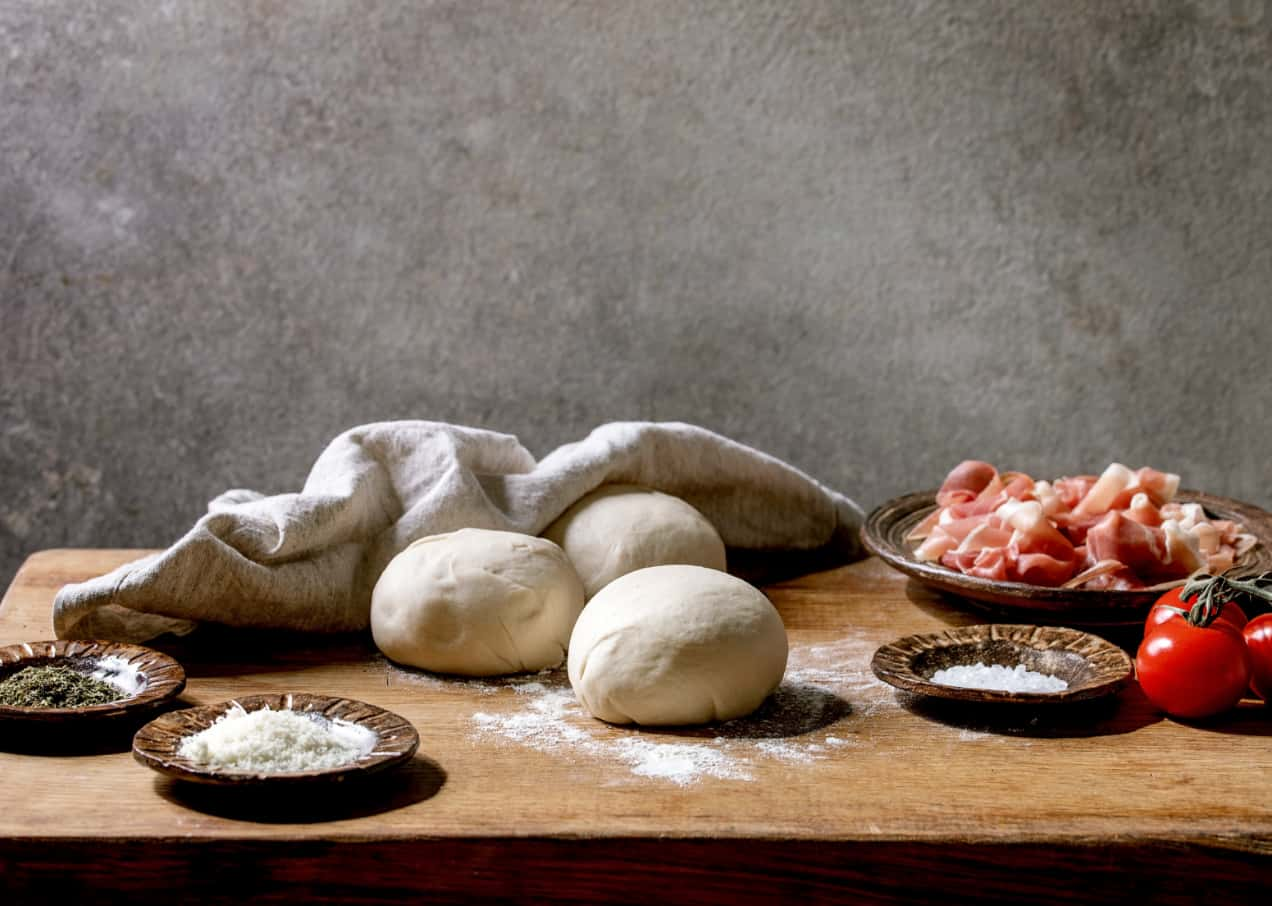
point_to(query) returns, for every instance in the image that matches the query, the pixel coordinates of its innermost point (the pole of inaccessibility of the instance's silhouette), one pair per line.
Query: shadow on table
(1249, 718)
(956, 611)
(952, 611)
(795, 709)
(80, 737)
(1125, 712)
(418, 780)
(213, 650)
(772, 567)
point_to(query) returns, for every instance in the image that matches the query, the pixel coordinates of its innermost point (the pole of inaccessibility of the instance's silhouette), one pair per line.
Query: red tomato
(1161, 612)
(1258, 638)
(1193, 671)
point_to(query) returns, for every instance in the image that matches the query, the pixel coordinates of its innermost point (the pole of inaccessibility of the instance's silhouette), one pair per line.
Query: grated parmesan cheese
(999, 678)
(276, 742)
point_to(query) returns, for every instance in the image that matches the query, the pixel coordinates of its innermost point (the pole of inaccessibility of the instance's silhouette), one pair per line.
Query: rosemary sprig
(1212, 592)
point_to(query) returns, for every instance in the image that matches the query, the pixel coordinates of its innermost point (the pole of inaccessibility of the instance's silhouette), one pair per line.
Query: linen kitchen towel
(309, 561)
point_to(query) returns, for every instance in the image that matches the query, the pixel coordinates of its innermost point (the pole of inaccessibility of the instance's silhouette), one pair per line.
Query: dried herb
(56, 687)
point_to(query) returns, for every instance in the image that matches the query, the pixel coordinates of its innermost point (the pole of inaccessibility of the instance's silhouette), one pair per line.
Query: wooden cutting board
(839, 786)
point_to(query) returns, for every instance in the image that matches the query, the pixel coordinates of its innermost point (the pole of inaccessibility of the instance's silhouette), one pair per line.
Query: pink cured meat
(1072, 490)
(965, 482)
(1042, 556)
(990, 563)
(1142, 548)
(1140, 508)
(1009, 527)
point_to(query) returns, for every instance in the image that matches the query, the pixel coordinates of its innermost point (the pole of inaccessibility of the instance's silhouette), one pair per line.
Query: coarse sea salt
(276, 742)
(998, 678)
(119, 673)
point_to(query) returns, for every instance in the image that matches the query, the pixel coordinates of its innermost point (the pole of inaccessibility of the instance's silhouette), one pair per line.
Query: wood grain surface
(841, 787)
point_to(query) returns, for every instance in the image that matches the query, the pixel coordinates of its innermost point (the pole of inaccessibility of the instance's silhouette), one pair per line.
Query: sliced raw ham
(1156, 487)
(1096, 571)
(1038, 553)
(1141, 509)
(989, 533)
(1160, 486)
(990, 563)
(1123, 580)
(965, 482)
(1072, 490)
(1018, 486)
(1155, 554)
(1039, 568)
(950, 534)
(1183, 554)
(1119, 530)
(924, 527)
(1050, 499)
(1114, 480)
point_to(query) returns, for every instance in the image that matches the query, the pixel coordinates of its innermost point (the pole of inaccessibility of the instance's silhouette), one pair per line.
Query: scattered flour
(783, 750)
(552, 720)
(679, 763)
(823, 685)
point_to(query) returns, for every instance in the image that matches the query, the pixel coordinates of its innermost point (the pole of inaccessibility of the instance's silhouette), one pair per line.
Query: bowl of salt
(1005, 663)
(72, 681)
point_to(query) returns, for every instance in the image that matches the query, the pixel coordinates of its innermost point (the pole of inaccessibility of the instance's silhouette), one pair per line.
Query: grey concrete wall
(871, 238)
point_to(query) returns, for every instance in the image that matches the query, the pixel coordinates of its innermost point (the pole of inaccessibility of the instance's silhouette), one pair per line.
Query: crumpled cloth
(309, 561)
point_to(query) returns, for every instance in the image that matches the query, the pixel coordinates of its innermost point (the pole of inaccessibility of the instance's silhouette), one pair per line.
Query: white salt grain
(276, 742)
(998, 678)
(119, 673)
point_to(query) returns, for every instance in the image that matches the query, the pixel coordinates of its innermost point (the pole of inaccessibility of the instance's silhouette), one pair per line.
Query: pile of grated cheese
(276, 742)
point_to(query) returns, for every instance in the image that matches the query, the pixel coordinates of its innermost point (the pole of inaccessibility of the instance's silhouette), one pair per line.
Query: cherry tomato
(1258, 638)
(1193, 671)
(1161, 611)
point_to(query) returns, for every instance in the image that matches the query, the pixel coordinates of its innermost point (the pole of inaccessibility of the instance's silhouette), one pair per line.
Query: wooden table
(841, 788)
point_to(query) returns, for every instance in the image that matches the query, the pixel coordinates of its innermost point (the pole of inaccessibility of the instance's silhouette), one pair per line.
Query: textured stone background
(871, 238)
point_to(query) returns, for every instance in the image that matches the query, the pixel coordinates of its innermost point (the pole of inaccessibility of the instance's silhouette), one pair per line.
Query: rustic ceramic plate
(1091, 666)
(885, 530)
(152, 676)
(157, 744)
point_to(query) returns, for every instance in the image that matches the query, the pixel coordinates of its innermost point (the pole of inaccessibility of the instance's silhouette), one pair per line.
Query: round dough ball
(620, 528)
(676, 645)
(477, 602)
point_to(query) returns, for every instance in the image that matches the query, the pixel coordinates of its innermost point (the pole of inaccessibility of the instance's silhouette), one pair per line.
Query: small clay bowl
(157, 744)
(1092, 667)
(886, 529)
(159, 677)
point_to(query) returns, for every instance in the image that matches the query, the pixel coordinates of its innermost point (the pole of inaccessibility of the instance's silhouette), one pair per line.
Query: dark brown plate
(162, 677)
(1091, 666)
(886, 527)
(156, 744)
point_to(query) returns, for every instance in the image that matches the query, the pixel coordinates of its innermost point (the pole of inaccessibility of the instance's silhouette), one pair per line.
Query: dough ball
(676, 645)
(477, 602)
(620, 528)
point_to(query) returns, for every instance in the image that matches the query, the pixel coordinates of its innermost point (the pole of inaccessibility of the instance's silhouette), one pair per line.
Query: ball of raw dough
(477, 602)
(620, 528)
(676, 645)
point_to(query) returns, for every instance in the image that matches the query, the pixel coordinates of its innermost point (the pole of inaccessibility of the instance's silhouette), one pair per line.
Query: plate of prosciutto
(1091, 549)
